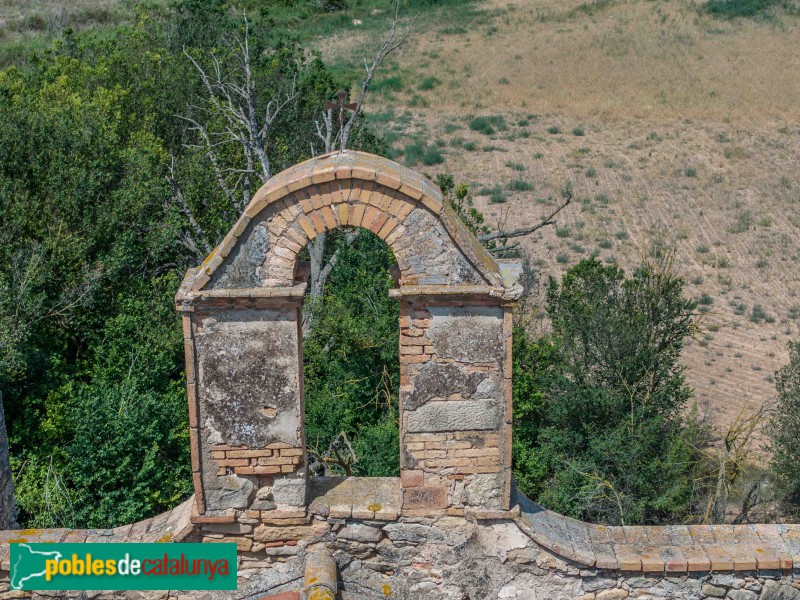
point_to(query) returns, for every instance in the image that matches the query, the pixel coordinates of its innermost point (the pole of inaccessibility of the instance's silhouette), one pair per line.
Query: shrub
(562, 232)
(488, 125)
(429, 83)
(520, 185)
(554, 130)
(591, 172)
(432, 157)
(744, 221)
(562, 258)
(732, 9)
(690, 172)
(389, 84)
(739, 308)
(759, 315)
(496, 195)
(705, 300)
(482, 125)
(415, 151)
(515, 166)
(578, 131)
(784, 427)
(605, 244)
(621, 235)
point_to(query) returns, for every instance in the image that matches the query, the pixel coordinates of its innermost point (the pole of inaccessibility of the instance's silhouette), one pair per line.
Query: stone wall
(460, 557)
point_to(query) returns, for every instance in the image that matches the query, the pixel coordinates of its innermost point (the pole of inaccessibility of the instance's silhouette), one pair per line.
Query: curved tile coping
(171, 526)
(662, 549)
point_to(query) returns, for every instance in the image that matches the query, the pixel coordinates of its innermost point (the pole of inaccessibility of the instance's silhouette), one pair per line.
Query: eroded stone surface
(247, 376)
(469, 335)
(454, 415)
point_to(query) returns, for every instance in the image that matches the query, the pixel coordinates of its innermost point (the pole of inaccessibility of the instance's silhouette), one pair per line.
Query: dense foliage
(599, 404)
(352, 361)
(97, 177)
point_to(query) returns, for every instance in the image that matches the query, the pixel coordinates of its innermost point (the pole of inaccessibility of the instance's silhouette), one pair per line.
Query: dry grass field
(673, 126)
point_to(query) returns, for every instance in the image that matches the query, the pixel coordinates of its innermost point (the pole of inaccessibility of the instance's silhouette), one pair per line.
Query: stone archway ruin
(242, 314)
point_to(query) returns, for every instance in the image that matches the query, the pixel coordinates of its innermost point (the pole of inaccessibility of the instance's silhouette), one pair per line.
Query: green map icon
(29, 564)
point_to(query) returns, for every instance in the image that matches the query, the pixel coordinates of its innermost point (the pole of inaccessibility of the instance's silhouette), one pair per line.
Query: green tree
(105, 200)
(600, 432)
(351, 358)
(784, 427)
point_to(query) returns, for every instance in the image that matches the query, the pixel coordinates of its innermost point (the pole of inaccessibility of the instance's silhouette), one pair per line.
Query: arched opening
(351, 360)
(258, 402)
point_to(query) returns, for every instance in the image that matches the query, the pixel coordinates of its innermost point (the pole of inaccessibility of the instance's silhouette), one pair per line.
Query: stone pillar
(245, 382)
(455, 405)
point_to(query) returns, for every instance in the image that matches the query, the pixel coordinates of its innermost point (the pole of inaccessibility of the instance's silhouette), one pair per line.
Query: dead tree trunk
(8, 508)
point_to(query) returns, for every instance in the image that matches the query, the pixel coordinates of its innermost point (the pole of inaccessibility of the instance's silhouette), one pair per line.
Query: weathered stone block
(412, 532)
(436, 381)
(274, 533)
(484, 491)
(360, 533)
(289, 491)
(232, 491)
(471, 334)
(454, 415)
(411, 477)
(248, 377)
(424, 497)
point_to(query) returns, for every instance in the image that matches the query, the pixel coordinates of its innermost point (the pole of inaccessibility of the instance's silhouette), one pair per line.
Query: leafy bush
(759, 315)
(488, 125)
(386, 85)
(705, 300)
(482, 125)
(415, 152)
(591, 440)
(429, 83)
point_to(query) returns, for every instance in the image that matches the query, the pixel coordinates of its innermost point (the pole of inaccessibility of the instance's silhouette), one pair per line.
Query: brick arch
(401, 207)
(242, 315)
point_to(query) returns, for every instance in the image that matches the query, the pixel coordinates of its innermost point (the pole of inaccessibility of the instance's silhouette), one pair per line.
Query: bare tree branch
(233, 96)
(548, 220)
(391, 42)
(197, 244)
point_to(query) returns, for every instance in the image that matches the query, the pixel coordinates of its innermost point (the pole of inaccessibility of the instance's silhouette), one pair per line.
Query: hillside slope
(673, 126)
